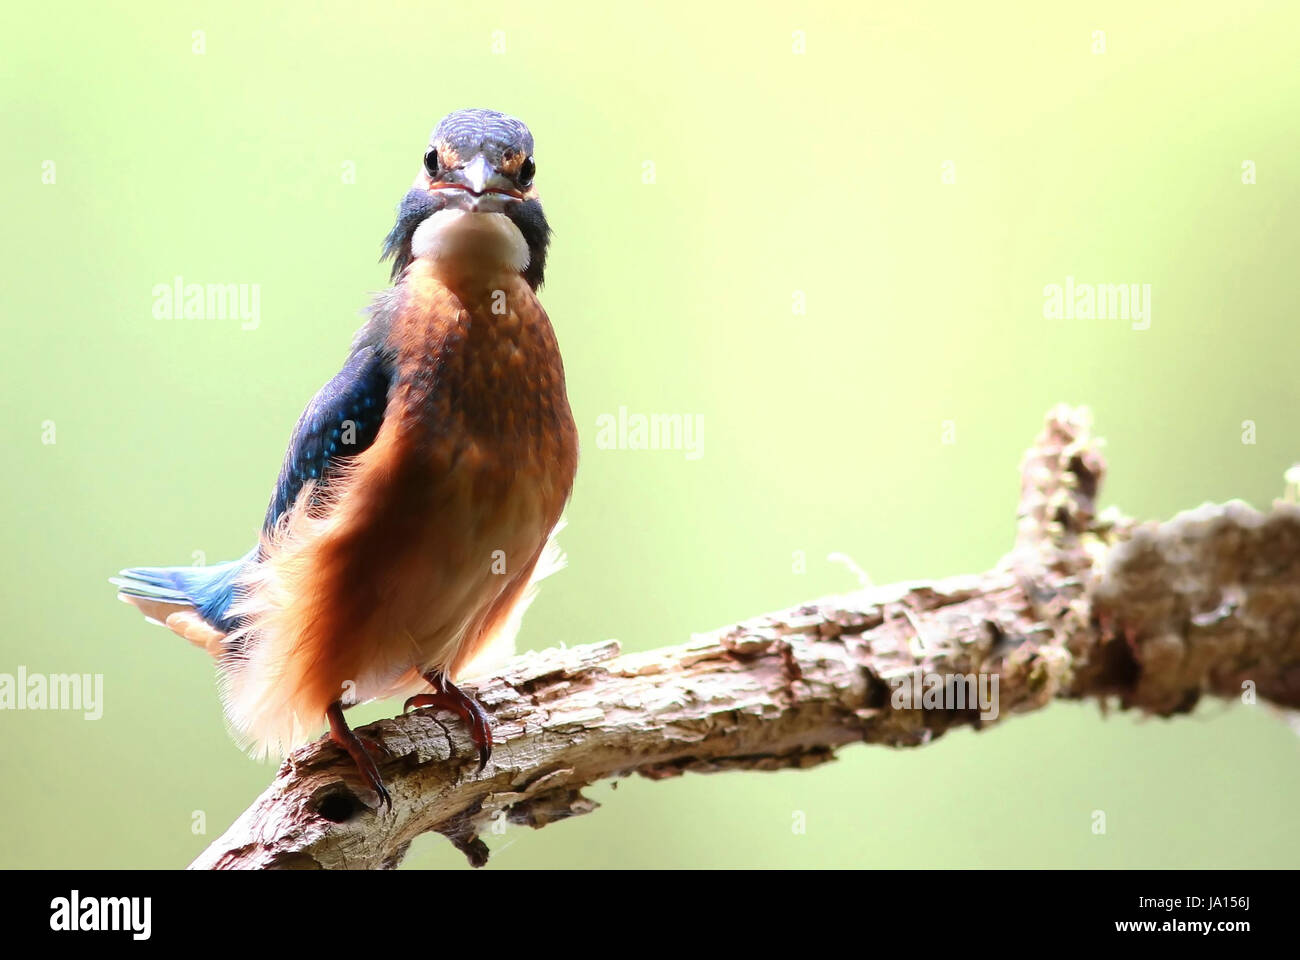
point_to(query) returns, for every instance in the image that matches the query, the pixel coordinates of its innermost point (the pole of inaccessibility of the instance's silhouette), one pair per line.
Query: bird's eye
(431, 163)
(527, 170)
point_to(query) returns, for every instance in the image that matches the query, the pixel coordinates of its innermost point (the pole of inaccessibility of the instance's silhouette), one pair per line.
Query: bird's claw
(354, 746)
(448, 696)
(370, 771)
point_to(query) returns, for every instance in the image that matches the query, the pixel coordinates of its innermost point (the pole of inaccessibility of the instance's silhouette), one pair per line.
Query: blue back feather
(342, 420)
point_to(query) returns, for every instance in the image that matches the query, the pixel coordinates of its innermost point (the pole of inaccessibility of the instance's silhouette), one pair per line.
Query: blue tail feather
(210, 590)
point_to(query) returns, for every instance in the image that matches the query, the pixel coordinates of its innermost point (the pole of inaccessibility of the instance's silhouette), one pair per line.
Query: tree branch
(1153, 616)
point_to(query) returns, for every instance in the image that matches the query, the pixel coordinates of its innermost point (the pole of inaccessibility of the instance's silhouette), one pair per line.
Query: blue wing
(342, 420)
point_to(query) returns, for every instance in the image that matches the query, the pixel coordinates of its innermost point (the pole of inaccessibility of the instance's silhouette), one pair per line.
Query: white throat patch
(488, 238)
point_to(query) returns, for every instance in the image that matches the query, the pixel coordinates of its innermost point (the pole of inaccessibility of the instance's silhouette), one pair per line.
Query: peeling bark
(1151, 616)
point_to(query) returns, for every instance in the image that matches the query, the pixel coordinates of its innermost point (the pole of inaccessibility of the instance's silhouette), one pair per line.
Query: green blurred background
(775, 172)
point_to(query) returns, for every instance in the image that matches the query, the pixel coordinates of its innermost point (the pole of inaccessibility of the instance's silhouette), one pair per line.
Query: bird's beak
(477, 186)
(477, 173)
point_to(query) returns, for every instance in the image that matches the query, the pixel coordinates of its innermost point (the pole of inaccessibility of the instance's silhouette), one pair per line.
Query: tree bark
(1147, 616)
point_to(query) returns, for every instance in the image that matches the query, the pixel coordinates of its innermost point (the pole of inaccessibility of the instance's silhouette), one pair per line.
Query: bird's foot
(355, 746)
(447, 696)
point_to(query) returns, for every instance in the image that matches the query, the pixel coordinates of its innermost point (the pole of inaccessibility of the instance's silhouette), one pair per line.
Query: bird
(418, 501)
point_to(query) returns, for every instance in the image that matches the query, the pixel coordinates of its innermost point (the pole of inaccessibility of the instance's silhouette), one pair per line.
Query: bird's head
(474, 197)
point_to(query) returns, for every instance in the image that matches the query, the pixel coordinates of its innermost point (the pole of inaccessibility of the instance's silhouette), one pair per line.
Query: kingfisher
(417, 504)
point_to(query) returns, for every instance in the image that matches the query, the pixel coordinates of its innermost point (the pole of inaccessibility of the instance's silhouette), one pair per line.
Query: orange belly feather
(423, 552)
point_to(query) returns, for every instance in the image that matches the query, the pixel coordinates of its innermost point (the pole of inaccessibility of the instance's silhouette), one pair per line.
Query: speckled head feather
(505, 141)
(490, 155)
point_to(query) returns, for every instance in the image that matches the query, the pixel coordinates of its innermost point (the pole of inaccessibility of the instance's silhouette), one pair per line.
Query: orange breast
(481, 460)
(421, 552)
(479, 367)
